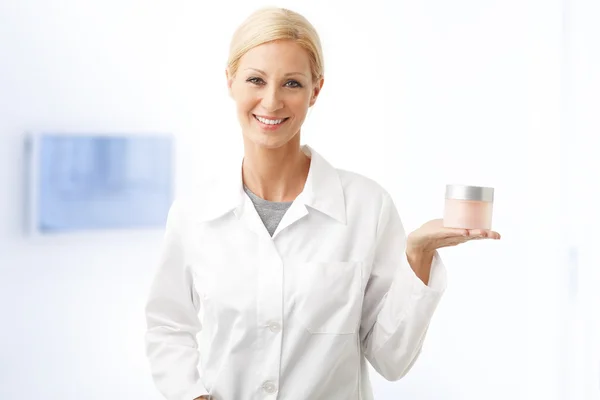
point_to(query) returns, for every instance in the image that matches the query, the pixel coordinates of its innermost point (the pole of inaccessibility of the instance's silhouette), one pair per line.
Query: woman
(283, 279)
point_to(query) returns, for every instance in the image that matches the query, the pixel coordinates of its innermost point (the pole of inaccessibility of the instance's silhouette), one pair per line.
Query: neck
(275, 174)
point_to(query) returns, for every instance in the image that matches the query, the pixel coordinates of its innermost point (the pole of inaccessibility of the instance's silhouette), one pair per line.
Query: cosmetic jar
(468, 207)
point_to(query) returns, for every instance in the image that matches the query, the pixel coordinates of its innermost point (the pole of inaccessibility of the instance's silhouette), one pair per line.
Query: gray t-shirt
(270, 212)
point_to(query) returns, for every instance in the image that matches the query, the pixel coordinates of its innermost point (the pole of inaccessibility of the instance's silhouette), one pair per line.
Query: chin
(268, 141)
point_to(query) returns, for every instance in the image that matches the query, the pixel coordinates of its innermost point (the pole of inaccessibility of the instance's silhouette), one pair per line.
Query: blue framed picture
(90, 182)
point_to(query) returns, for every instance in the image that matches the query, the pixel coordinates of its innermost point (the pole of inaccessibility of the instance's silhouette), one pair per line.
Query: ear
(316, 90)
(229, 82)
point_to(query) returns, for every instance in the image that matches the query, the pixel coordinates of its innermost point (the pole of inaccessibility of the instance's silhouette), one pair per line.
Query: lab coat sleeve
(397, 306)
(172, 319)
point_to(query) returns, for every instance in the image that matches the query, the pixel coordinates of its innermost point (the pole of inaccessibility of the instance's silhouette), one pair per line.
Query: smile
(270, 121)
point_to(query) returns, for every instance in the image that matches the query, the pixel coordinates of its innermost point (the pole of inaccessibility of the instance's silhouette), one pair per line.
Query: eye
(255, 80)
(293, 84)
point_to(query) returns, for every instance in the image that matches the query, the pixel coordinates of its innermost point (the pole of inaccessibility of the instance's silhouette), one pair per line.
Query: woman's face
(273, 90)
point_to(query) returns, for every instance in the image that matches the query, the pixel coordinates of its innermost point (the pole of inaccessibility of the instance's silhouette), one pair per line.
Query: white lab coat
(241, 315)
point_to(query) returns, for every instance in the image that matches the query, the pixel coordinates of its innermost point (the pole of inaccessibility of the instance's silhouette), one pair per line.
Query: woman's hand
(433, 235)
(423, 242)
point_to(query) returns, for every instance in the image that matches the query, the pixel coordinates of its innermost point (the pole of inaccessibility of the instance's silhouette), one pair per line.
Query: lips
(270, 121)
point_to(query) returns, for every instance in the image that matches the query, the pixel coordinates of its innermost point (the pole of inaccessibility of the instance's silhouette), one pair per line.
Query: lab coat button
(269, 387)
(274, 327)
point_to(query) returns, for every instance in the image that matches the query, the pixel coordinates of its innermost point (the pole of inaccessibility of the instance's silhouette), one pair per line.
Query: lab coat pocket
(329, 297)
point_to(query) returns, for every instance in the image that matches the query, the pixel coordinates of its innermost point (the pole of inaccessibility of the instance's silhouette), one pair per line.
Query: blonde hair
(273, 23)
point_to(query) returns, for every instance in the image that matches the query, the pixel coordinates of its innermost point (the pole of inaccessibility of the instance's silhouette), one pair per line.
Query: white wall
(437, 92)
(581, 124)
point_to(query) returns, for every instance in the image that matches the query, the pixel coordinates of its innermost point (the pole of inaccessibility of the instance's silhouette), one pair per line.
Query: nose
(272, 100)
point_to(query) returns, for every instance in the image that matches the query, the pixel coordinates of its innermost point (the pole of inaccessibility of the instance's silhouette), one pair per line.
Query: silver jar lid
(475, 193)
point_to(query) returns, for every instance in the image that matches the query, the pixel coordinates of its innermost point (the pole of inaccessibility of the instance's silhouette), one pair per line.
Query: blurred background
(417, 95)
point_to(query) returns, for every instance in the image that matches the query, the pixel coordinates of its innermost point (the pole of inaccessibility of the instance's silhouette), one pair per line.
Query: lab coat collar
(322, 191)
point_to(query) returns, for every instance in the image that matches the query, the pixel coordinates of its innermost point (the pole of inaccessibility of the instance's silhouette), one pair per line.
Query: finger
(487, 234)
(452, 232)
(494, 235)
(473, 234)
(478, 233)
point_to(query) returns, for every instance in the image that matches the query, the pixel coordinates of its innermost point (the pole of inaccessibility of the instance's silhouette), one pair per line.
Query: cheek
(299, 105)
(245, 101)
(243, 106)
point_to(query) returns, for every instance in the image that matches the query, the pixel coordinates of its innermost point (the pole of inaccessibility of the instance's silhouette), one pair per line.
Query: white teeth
(269, 121)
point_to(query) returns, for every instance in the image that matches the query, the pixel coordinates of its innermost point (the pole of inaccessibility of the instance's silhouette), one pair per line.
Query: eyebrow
(288, 74)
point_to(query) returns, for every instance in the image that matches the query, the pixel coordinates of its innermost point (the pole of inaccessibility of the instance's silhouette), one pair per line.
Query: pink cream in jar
(468, 207)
